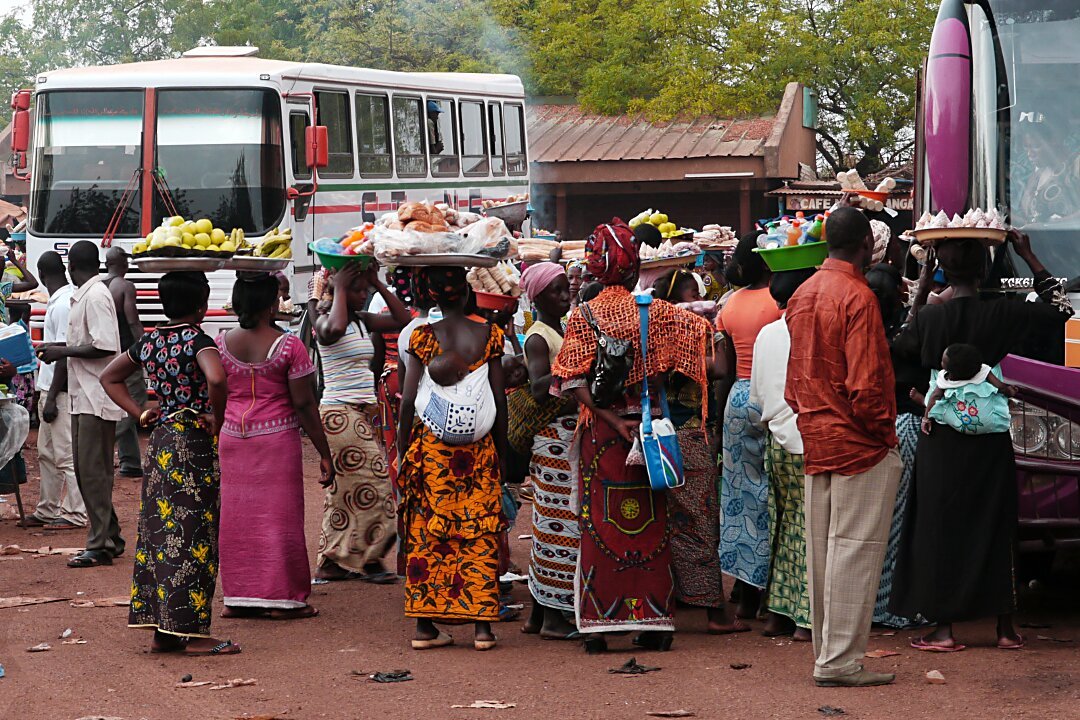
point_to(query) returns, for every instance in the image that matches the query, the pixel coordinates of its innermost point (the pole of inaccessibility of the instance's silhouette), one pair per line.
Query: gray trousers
(92, 445)
(127, 430)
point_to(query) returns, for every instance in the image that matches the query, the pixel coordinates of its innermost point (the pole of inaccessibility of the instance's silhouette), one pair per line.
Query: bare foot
(557, 627)
(535, 622)
(802, 634)
(166, 643)
(295, 613)
(331, 571)
(778, 625)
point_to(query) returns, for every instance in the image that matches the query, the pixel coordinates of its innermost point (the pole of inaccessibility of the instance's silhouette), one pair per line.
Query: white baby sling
(457, 414)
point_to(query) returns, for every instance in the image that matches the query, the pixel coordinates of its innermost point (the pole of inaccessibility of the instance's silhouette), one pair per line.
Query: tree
(734, 57)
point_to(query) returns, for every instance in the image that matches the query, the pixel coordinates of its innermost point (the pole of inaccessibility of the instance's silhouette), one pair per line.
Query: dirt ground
(314, 668)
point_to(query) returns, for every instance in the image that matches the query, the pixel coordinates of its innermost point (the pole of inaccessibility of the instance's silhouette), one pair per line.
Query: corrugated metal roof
(564, 133)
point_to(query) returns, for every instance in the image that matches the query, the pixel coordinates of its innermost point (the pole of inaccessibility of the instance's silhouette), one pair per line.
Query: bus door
(300, 216)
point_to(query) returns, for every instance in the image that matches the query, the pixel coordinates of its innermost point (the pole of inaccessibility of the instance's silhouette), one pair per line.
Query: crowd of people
(841, 460)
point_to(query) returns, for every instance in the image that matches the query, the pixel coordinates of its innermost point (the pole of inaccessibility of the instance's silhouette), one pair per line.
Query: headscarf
(401, 284)
(611, 254)
(445, 285)
(536, 278)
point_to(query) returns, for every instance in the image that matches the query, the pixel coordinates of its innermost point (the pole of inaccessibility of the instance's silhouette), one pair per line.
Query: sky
(7, 6)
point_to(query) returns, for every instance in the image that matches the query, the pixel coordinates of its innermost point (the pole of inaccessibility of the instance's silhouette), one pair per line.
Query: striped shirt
(347, 369)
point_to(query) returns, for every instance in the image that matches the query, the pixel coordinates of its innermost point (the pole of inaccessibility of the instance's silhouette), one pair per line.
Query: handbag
(611, 365)
(659, 443)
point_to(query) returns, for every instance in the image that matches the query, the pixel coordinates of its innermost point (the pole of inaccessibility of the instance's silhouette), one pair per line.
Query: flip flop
(922, 644)
(484, 645)
(90, 558)
(1009, 645)
(298, 614)
(572, 635)
(441, 640)
(223, 648)
(31, 521)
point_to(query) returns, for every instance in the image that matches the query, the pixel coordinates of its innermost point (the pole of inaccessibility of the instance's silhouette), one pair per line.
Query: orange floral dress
(452, 512)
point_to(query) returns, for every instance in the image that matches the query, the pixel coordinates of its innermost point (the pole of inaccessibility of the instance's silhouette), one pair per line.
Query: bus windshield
(220, 152)
(88, 148)
(1042, 65)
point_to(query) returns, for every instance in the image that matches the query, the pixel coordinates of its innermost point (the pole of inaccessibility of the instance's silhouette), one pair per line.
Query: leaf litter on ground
(485, 705)
(830, 711)
(671, 713)
(881, 653)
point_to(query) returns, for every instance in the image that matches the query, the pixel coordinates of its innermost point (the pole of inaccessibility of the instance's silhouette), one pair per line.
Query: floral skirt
(359, 524)
(176, 556)
(744, 492)
(907, 432)
(694, 522)
(452, 514)
(555, 532)
(789, 593)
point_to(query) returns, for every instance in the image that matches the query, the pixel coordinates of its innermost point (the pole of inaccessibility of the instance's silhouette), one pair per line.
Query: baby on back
(448, 368)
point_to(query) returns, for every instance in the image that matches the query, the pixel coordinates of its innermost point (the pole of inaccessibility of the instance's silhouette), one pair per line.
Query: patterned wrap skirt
(623, 579)
(907, 431)
(694, 522)
(744, 493)
(359, 522)
(176, 556)
(555, 532)
(789, 593)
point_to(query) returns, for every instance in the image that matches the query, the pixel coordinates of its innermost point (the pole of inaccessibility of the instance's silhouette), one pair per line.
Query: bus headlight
(1039, 433)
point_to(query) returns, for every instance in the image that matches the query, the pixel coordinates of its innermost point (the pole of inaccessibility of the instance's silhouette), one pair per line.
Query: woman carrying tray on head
(452, 461)
(358, 526)
(623, 579)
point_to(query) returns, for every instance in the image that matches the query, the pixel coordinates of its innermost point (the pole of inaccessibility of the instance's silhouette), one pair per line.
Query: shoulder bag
(659, 443)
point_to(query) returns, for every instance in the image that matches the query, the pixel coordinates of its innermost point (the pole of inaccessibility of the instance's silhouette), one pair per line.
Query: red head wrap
(611, 254)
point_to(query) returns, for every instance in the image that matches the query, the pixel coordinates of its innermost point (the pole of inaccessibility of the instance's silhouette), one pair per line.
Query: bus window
(373, 136)
(474, 158)
(409, 156)
(495, 142)
(516, 161)
(333, 112)
(222, 153)
(298, 122)
(444, 162)
(88, 145)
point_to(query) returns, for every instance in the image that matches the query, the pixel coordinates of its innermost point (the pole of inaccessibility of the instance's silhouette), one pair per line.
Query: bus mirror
(20, 127)
(315, 140)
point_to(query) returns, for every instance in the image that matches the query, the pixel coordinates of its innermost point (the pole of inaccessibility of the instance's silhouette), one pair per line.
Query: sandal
(383, 577)
(572, 635)
(921, 643)
(245, 613)
(223, 648)
(1018, 644)
(483, 645)
(90, 558)
(654, 640)
(440, 640)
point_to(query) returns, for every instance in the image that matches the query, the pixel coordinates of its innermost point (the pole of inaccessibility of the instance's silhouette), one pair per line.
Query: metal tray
(928, 237)
(675, 261)
(251, 263)
(164, 265)
(439, 259)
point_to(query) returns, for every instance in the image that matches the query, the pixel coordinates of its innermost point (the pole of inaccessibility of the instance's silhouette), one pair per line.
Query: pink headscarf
(536, 278)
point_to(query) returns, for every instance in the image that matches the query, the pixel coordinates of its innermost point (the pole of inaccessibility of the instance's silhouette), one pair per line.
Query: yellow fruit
(657, 218)
(176, 221)
(172, 242)
(214, 248)
(204, 226)
(668, 227)
(217, 235)
(139, 248)
(188, 239)
(202, 240)
(174, 232)
(228, 246)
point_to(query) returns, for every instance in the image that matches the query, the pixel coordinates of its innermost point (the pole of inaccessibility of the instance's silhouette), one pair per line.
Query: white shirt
(767, 377)
(56, 321)
(406, 335)
(92, 321)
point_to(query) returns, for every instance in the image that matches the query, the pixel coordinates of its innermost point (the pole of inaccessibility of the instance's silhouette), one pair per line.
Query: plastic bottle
(813, 233)
(794, 231)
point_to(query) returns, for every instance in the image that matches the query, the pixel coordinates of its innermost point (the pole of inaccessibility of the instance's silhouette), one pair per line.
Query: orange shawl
(678, 338)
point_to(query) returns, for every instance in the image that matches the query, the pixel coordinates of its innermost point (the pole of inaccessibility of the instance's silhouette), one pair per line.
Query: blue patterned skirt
(744, 492)
(907, 431)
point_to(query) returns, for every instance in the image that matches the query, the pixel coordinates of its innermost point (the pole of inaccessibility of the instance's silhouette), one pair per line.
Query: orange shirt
(840, 375)
(743, 316)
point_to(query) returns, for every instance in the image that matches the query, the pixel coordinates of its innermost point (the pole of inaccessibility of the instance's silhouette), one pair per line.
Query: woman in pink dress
(263, 555)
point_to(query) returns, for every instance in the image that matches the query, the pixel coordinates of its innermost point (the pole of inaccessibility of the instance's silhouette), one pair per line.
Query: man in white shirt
(93, 340)
(60, 505)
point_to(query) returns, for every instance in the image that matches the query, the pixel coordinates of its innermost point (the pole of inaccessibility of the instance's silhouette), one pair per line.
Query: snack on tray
(503, 279)
(668, 250)
(715, 237)
(975, 218)
(535, 250)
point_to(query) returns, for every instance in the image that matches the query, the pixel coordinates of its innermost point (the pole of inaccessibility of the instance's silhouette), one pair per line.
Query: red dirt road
(305, 669)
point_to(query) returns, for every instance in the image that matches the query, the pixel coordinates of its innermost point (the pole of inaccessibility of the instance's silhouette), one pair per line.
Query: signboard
(821, 203)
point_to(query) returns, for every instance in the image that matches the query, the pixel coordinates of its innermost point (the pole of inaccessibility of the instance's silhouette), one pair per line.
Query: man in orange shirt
(840, 384)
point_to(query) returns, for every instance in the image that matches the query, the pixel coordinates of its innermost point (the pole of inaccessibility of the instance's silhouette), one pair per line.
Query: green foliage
(660, 57)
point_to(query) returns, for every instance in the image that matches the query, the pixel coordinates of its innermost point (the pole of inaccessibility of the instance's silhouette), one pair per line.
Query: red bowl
(873, 195)
(493, 301)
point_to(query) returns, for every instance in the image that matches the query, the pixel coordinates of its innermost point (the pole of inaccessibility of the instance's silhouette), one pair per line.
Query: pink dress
(263, 555)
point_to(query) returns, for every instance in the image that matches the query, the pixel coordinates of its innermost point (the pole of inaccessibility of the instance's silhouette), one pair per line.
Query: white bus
(226, 132)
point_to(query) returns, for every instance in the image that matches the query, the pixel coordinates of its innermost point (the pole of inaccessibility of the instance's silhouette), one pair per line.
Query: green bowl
(336, 262)
(794, 257)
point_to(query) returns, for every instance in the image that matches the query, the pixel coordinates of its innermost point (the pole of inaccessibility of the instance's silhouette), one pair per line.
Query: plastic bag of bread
(488, 231)
(417, 239)
(411, 211)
